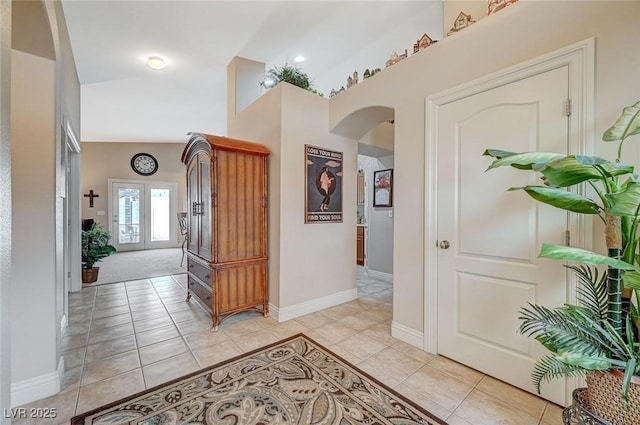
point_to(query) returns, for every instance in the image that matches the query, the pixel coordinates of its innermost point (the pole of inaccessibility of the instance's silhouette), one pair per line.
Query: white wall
(380, 223)
(243, 76)
(33, 275)
(520, 32)
(5, 208)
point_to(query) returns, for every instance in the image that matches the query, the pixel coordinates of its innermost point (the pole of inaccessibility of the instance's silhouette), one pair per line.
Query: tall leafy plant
(596, 335)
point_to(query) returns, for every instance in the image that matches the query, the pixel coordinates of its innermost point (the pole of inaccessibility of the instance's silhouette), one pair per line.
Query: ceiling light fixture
(155, 62)
(269, 82)
(298, 59)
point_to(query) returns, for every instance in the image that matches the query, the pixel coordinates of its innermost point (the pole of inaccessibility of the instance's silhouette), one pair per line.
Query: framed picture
(323, 185)
(383, 188)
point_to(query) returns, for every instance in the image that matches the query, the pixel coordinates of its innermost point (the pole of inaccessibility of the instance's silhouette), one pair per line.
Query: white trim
(39, 387)
(63, 324)
(385, 277)
(580, 59)
(74, 144)
(311, 306)
(407, 334)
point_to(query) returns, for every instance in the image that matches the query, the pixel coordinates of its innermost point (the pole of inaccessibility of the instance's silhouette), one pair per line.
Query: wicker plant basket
(90, 275)
(605, 398)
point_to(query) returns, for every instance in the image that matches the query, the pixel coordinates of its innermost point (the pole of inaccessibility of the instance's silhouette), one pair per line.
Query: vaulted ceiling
(125, 100)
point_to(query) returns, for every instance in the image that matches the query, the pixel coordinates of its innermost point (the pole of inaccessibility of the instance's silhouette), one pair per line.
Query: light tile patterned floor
(125, 337)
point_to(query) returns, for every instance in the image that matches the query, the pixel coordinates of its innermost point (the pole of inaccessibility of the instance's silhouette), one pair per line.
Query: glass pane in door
(128, 215)
(160, 215)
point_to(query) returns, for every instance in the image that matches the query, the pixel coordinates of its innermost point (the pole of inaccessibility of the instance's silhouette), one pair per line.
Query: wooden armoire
(227, 225)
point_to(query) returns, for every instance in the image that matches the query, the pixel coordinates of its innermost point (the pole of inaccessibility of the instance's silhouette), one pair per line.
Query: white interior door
(143, 215)
(490, 269)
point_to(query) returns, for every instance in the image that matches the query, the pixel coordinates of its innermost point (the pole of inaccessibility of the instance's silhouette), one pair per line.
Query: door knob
(444, 244)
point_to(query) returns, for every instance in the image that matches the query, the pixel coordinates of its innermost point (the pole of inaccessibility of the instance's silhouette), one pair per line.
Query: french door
(142, 214)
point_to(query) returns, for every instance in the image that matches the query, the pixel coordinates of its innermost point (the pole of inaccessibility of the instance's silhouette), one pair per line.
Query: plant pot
(90, 275)
(579, 413)
(605, 397)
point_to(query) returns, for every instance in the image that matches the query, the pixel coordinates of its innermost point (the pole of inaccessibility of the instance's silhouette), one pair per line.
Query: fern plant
(580, 337)
(288, 74)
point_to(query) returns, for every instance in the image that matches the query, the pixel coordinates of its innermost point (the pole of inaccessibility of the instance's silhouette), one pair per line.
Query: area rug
(294, 381)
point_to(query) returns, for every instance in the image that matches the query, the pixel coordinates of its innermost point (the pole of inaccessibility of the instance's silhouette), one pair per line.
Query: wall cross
(91, 195)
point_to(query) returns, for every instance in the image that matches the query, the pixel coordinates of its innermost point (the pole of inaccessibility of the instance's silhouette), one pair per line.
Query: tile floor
(125, 337)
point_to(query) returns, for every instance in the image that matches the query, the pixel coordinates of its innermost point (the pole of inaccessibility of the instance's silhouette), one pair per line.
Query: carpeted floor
(294, 381)
(134, 265)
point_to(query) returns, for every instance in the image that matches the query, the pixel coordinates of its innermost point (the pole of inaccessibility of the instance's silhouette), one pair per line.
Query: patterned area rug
(294, 381)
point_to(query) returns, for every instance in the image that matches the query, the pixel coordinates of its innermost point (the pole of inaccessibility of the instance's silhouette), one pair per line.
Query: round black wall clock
(144, 164)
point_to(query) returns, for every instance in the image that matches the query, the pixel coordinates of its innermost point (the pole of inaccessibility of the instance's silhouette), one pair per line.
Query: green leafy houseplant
(288, 74)
(95, 247)
(598, 333)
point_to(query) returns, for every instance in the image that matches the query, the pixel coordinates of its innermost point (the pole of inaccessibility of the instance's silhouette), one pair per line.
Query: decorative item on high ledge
(95, 247)
(395, 58)
(288, 74)
(495, 5)
(462, 21)
(422, 43)
(599, 336)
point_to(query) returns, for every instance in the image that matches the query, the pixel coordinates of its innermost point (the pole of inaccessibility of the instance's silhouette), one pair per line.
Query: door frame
(173, 213)
(580, 59)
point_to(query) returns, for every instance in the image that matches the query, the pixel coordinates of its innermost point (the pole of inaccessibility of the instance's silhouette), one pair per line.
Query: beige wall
(5, 208)
(103, 161)
(267, 131)
(307, 261)
(45, 96)
(518, 33)
(33, 154)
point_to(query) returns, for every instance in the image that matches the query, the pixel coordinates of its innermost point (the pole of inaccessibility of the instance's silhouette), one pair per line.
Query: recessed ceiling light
(269, 82)
(155, 62)
(298, 59)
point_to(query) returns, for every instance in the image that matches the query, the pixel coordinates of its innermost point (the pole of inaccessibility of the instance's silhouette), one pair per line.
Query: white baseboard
(385, 277)
(39, 387)
(408, 335)
(311, 306)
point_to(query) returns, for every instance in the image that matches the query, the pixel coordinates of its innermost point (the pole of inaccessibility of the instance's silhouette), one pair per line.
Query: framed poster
(323, 185)
(383, 188)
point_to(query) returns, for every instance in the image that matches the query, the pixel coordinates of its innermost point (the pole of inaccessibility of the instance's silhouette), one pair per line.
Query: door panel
(160, 216)
(143, 215)
(491, 269)
(204, 248)
(193, 199)
(128, 215)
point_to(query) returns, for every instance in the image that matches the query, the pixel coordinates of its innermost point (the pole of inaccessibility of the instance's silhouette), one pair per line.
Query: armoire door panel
(228, 232)
(204, 248)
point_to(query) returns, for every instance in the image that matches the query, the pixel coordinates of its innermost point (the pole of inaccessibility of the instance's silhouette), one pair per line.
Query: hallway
(123, 338)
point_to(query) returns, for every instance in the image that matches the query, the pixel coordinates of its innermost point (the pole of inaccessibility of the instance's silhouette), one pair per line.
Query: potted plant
(95, 247)
(288, 74)
(598, 336)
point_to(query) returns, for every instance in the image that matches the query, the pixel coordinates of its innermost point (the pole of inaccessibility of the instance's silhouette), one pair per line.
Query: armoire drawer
(204, 294)
(200, 271)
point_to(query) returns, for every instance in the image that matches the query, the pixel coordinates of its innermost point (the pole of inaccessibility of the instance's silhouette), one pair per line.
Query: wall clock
(144, 164)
